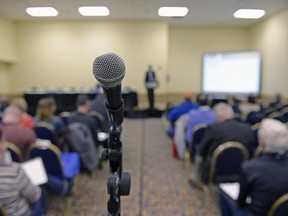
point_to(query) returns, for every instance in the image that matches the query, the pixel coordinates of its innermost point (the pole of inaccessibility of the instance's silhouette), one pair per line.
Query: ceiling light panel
(249, 13)
(94, 11)
(173, 11)
(42, 11)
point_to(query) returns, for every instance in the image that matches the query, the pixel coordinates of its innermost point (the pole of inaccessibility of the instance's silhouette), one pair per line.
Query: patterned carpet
(159, 181)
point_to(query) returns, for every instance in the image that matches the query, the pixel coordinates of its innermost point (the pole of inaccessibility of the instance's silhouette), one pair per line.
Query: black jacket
(263, 179)
(229, 130)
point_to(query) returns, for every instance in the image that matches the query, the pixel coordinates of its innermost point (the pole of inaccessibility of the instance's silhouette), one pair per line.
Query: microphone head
(109, 69)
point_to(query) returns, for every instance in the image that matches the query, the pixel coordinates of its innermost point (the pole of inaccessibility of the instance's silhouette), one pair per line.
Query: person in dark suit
(151, 83)
(264, 179)
(226, 129)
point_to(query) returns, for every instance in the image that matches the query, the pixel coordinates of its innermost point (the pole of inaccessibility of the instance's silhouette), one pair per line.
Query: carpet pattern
(159, 182)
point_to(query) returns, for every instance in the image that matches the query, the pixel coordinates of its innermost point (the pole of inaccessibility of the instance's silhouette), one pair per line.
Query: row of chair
(52, 157)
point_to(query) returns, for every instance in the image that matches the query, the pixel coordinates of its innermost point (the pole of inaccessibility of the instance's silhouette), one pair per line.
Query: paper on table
(35, 170)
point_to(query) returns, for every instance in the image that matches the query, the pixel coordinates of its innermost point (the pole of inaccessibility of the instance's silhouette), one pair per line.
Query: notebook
(35, 171)
(231, 189)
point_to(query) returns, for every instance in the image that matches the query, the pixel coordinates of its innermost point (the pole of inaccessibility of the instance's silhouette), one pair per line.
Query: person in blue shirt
(175, 112)
(202, 115)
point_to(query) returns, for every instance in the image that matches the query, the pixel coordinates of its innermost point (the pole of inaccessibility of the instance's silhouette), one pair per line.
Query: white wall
(7, 53)
(7, 41)
(4, 79)
(61, 54)
(186, 47)
(271, 37)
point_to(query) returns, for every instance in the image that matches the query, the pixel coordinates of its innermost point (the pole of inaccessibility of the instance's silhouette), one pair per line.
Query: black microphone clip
(116, 115)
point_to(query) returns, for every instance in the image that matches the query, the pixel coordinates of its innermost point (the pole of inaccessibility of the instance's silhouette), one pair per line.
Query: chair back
(51, 157)
(226, 162)
(198, 133)
(279, 207)
(3, 211)
(46, 131)
(15, 152)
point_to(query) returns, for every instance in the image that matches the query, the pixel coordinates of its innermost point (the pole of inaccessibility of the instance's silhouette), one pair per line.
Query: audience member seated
(46, 108)
(99, 105)
(26, 119)
(263, 179)
(176, 111)
(197, 116)
(18, 195)
(81, 115)
(226, 129)
(46, 113)
(251, 105)
(14, 131)
(234, 102)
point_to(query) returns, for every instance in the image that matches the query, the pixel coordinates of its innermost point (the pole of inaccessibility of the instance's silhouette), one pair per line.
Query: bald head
(12, 114)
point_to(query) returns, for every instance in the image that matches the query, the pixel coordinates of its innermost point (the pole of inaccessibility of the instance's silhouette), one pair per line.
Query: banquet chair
(279, 206)
(16, 154)
(198, 133)
(55, 162)
(46, 131)
(226, 162)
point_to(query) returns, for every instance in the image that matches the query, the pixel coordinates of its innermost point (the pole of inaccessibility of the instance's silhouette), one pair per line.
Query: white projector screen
(231, 72)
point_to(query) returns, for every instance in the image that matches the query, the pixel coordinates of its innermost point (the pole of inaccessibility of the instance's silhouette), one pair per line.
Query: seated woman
(263, 179)
(26, 119)
(46, 113)
(18, 195)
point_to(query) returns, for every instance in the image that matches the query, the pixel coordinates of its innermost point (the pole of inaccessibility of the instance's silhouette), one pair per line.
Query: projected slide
(231, 72)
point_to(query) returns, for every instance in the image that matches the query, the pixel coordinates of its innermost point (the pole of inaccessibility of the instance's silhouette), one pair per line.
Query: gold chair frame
(277, 203)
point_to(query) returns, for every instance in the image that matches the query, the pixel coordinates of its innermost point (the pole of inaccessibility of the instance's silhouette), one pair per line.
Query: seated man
(14, 131)
(81, 115)
(18, 195)
(175, 112)
(203, 115)
(263, 179)
(226, 129)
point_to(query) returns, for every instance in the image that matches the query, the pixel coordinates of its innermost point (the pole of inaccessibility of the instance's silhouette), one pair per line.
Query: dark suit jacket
(229, 130)
(264, 179)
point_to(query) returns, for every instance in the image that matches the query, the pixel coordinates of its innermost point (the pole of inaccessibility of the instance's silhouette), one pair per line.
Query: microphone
(109, 69)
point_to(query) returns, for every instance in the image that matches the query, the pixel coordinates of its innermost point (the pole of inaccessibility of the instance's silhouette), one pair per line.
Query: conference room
(209, 49)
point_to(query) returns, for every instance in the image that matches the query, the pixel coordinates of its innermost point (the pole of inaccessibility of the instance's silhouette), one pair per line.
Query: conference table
(66, 101)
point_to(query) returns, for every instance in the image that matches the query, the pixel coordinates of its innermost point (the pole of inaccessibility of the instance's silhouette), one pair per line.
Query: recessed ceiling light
(94, 11)
(173, 11)
(249, 13)
(42, 11)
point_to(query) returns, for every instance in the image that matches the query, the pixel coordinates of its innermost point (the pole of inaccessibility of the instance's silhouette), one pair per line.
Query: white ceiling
(201, 12)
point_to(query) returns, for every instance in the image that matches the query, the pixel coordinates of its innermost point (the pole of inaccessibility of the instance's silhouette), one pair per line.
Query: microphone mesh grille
(109, 69)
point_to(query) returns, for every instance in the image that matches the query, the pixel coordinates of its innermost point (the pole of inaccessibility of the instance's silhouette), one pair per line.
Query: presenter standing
(151, 83)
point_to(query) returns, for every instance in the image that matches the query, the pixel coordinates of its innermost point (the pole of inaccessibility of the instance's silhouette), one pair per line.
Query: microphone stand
(118, 183)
